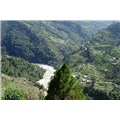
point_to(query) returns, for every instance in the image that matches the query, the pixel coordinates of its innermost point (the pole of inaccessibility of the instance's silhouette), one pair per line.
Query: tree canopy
(63, 86)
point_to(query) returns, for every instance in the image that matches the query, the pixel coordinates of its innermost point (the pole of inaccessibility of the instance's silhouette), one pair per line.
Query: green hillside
(108, 40)
(97, 24)
(46, 41)
(99, 59)
(19, 74)
(91, 49)
(98, 51)
(30, 91)
(19, 40)
(18, 67)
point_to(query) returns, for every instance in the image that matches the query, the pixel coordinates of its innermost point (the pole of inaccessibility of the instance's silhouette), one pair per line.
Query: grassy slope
(22, 77)
(30, 92)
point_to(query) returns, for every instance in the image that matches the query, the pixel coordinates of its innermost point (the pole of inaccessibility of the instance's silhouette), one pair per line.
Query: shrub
(31, 93)
(11, 94)
(39, 86)
(41, 95)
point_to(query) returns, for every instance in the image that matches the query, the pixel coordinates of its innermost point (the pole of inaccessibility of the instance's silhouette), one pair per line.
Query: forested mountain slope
(93, 57)
(46, 41)
(99, 50)
(19, 74)
(99, 60)
(19, 40)
(98, 24)
(108, 40)
(18, 67)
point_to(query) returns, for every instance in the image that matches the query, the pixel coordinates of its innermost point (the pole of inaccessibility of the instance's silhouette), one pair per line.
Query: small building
(104, 52)
(118, 62)
(83, 80)
(75, 76)
(89, 81)
(110, 60)
(103, 69)
(84, 76)
(114, 63)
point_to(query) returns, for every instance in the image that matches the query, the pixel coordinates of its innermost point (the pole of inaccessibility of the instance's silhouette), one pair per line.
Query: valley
(47, 41)
(91, 50)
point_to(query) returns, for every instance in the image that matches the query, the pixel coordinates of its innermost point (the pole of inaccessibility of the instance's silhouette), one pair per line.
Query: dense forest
(18, 67)
(46, 41)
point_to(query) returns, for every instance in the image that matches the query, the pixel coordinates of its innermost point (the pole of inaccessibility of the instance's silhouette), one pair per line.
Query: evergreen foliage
(63, 86)
(76, 94)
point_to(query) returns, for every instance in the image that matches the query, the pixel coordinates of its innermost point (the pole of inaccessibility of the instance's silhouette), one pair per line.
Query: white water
(48, 74)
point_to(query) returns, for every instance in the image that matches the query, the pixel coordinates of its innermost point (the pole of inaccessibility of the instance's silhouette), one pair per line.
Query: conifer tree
(76, 94)
(63, 86)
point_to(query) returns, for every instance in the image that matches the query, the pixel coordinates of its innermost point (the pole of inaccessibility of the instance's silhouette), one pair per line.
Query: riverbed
(47, 76)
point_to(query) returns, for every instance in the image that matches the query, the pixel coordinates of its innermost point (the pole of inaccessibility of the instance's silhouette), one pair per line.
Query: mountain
(98, 24)
(86, 21)
(108, 40)
(19, 40)
(107, 21)
(46, 41)
(42, 41)
(99, 58)
(90, 48)
(102, 50)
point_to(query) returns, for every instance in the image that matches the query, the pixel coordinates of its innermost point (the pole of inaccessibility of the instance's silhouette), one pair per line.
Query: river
(47, 76)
